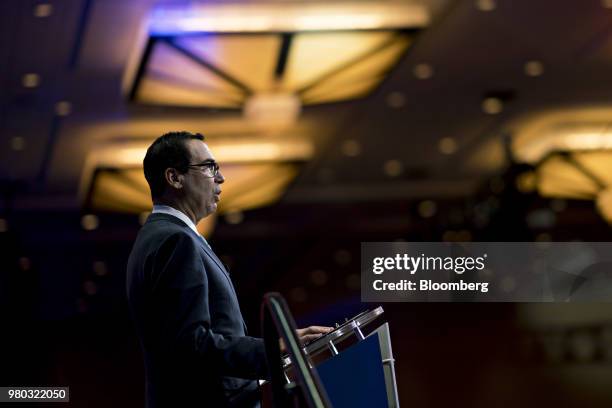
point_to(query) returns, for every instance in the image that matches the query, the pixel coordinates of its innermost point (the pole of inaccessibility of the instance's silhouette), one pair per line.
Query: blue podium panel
(355, 378)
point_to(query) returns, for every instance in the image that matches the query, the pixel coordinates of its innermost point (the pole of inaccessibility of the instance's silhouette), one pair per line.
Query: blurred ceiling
(479, 81)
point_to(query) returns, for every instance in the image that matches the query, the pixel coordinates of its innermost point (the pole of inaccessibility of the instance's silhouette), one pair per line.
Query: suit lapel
(207, 250)
(211, 254)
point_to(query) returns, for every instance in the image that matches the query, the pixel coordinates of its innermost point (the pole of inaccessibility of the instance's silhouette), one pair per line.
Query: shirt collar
(166, 209)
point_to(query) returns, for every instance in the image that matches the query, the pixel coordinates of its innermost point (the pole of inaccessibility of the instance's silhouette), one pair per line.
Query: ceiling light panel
(220, 56)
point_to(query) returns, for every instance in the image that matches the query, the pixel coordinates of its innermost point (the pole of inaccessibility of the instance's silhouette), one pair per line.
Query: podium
(354, 363)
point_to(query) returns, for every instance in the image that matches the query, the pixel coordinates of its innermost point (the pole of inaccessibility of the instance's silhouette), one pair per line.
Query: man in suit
(186, 312)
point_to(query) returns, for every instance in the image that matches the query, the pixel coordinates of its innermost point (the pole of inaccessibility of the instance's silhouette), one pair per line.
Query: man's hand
(307, 334)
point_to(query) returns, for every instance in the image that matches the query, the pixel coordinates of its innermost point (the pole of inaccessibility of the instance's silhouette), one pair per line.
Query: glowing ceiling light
(447, 145)
(393, 168)
(485, 5)
(234, 56)
(563, 137)
(122, 155)
(90, 222)
(423, 71)
(18, 143)
(272, 110)
(351, 148)
(287, 17)
(30, 80)
(396, 100)
(43, 10)
(492, 105)
(572, 156)
(427, 208)
(604, 204)
(534, 68)
(256, 171)
(63, 108)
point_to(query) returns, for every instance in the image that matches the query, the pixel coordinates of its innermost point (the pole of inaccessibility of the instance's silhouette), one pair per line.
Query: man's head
(182, 172)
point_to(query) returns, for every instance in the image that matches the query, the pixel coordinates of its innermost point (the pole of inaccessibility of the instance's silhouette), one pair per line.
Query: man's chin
(211, 209)
(208, 210)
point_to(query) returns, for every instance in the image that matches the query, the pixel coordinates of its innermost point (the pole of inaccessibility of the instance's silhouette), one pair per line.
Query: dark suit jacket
(196, 351)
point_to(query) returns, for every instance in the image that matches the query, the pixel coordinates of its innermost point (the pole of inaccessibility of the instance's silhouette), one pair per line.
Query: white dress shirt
(166, 209)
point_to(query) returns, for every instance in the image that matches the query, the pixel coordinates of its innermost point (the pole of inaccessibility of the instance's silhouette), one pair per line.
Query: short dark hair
(168, 150)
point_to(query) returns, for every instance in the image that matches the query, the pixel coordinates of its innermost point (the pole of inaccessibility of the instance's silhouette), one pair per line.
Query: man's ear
(173, 178)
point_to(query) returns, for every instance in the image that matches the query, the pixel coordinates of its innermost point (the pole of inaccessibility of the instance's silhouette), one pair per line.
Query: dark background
(62, 288)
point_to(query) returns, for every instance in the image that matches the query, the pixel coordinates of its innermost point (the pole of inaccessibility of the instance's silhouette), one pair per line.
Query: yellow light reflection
(249, 59)
(329, 52)
(173, 78)
(288, 17)
(254, 185)
(371, 69)
(604, 204)
(159, 92)
(247, 186)
(558, 178)
(331, 94)
(581, 128)
(240, 150)
(112, 192)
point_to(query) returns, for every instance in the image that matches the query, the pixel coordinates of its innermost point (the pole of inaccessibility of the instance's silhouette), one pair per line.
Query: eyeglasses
(212, 165)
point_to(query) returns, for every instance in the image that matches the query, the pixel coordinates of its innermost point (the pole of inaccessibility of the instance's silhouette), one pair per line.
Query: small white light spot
(90, 222)
(396, 100)
(63, 108)
(393, 168)
(234, 217)
(427, 208)
(485, 5)
(30, 80)
(18, 143)
(423, 71)
(492, 106)
(534, 68)
(43, 10)
(351, 148)
(318, 277)
(447, 145)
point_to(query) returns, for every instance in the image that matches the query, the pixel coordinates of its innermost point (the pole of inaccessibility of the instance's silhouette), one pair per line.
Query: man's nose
(219, 177)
